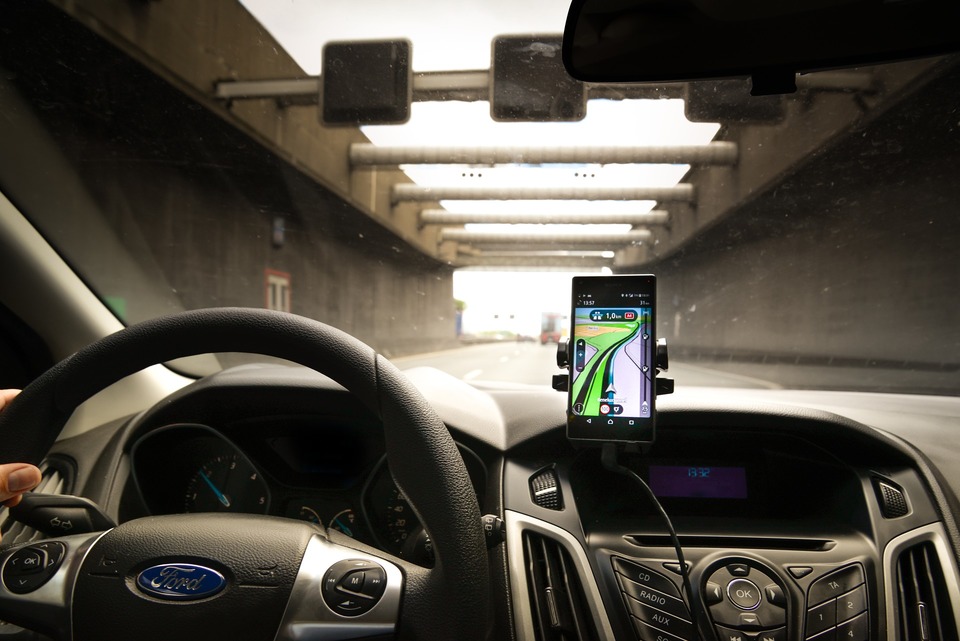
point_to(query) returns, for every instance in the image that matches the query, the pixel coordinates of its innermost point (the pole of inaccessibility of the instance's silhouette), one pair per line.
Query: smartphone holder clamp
(561, 382)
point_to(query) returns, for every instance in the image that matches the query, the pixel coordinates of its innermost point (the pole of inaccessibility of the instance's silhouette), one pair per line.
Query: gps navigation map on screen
(612, 358)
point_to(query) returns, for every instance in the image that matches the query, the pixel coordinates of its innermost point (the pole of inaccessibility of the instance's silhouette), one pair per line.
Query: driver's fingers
(15, 479)
(7, 395)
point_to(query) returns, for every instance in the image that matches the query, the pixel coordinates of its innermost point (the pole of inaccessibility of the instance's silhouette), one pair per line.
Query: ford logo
(180, 581)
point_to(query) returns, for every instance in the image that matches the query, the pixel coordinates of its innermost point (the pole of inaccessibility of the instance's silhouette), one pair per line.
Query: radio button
(655, 599)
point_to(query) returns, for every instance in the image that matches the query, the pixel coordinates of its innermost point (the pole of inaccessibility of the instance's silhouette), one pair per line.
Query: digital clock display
(698, 482)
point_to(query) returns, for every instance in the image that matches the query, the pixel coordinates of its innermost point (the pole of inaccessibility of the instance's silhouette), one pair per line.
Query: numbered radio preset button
(837, 606)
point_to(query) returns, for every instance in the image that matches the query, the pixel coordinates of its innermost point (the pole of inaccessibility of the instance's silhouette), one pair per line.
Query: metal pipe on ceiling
(444, 217)
(576, 239)
(417, 193)
(533, 262)
(714, 153)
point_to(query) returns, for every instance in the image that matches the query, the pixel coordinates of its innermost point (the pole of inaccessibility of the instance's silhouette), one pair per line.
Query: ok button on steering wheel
(744, 594)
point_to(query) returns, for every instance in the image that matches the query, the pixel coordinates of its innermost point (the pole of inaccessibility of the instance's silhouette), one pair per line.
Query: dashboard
(796, 523)
(326, 469)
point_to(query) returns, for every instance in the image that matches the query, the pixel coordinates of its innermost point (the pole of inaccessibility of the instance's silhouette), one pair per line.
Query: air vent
(54, 482)
(925, 611)
(893, 502)
(545, 489)
(560, 611)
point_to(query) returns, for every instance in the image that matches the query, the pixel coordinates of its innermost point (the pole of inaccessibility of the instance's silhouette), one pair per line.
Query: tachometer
(227, 483)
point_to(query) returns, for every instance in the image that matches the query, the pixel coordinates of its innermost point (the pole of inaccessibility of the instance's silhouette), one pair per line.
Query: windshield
(425, 177)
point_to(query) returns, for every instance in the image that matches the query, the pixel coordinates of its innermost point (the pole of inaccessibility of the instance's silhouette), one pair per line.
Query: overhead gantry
(245, 77)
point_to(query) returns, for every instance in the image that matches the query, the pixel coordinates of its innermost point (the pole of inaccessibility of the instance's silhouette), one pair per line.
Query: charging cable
(609, 456)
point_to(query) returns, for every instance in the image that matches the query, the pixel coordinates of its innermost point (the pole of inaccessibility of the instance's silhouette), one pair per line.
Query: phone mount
(561, 382)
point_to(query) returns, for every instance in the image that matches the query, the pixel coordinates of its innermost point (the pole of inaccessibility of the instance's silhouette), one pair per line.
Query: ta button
(744, 594)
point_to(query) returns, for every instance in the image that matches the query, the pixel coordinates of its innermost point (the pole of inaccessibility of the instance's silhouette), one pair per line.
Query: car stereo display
(698, 482)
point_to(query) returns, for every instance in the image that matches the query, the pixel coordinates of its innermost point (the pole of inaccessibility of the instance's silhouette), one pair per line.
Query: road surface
(535, 364)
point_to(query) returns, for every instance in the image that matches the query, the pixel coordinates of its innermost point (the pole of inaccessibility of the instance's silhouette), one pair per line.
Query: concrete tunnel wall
(856, 250)
(193, 202)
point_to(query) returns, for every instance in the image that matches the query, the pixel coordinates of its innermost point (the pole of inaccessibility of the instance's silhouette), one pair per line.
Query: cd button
(645, 576)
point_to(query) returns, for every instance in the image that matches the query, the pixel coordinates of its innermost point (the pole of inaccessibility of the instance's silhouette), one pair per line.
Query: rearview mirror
(678, 40)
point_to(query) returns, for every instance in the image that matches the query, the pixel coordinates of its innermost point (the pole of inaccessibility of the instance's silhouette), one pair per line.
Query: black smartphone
(612, 358)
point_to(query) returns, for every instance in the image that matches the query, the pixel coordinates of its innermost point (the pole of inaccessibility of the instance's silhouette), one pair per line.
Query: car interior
(240, 466)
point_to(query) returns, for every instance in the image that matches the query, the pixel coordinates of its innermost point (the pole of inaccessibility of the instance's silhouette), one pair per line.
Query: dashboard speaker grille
(925, 612)
(893, 502)
(545, 489)
(560, 610)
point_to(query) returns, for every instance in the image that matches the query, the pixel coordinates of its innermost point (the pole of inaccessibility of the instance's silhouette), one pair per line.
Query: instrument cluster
(332, 473)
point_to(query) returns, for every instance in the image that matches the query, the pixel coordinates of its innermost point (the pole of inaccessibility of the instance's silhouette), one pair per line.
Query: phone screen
(612, 358)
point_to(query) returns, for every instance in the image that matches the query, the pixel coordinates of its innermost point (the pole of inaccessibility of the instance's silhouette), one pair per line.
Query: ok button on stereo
(746, 602)
(744, 594)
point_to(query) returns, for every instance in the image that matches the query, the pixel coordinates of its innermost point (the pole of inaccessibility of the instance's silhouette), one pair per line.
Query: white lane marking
(472, 374)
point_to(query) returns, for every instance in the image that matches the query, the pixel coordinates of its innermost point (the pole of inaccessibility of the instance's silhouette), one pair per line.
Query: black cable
(609, 458)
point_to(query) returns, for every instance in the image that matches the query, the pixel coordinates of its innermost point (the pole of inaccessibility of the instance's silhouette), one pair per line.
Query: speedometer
(227, 483)
(392, 520)
(400, 519)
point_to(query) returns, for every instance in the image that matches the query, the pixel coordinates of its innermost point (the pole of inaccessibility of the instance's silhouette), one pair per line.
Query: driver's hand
(15, 478)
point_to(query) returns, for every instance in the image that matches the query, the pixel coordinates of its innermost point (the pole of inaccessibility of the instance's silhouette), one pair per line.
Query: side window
(277, 290)
(23, 354)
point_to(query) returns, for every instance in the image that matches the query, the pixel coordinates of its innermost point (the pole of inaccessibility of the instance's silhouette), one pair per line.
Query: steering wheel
(257, 578)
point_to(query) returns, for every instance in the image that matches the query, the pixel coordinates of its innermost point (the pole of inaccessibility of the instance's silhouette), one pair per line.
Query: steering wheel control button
(834, 584)
(352, 582)
(28, 561)
(353, 587)
(30, 567)
(646, 577)
(375, 580)
(744, 594)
